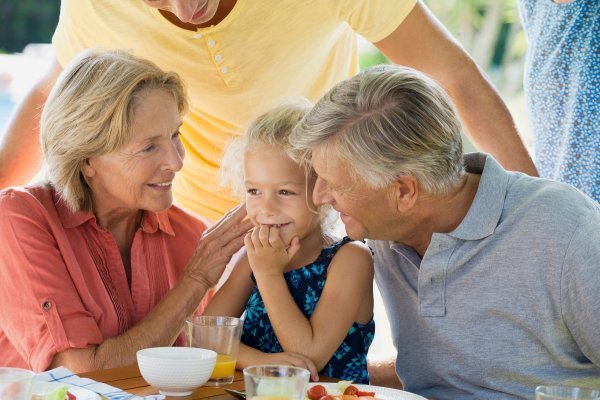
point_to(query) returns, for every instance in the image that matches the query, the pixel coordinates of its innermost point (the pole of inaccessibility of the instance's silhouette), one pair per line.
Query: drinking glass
(275, 382)
(221, 334)
(15, 383)
(566, 393)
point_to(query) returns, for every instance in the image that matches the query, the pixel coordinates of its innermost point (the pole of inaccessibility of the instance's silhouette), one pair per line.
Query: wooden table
(130, 380)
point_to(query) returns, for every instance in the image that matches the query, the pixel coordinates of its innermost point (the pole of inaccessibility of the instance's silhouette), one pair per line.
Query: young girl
(304, 294)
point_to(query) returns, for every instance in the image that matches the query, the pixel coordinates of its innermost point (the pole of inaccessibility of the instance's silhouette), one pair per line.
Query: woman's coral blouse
(63, 283)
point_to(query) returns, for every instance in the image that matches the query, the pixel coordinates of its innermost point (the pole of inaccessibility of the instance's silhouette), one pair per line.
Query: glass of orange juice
(221, 334)
(275, 382)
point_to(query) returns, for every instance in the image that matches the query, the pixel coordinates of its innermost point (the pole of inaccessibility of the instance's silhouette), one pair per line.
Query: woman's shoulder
(24, 197)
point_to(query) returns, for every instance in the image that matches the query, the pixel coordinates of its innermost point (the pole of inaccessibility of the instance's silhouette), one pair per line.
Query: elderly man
(490, 278)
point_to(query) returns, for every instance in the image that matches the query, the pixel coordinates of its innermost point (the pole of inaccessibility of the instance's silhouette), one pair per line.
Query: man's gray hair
(386, 122)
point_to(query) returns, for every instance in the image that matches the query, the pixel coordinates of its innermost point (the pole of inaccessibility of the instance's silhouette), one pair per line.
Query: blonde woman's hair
(272, 128)
(386, 122)
(89, 113)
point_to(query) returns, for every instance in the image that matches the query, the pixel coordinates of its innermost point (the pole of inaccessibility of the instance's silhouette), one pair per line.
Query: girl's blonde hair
(273, 128)
(89, 113)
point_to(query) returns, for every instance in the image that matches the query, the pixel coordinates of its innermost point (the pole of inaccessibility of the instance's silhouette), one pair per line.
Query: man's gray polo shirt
(509, 300)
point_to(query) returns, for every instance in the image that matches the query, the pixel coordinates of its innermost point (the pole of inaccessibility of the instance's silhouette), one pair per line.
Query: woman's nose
(174, 157)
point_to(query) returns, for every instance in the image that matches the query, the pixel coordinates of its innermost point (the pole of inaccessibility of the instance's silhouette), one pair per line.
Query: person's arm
(383, 373)
(349, 282)
(250, 356)
(20, 154)
(580, 280)
(160, 328)
(422, 43)
(231, 298)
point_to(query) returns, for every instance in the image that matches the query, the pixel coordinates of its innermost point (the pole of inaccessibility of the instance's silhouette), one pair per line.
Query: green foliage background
(27, 21)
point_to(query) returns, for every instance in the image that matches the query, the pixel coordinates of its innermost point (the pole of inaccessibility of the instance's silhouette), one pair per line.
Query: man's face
(365, 212)
(194, 12)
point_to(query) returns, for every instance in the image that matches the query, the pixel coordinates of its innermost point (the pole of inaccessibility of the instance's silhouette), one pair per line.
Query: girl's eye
(252, 192)
(285, 192)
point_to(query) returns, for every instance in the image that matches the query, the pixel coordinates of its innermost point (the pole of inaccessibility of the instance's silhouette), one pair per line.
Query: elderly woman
(490, 278)
(97, 263)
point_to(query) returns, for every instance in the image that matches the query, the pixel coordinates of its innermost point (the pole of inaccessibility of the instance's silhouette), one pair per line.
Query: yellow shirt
(263, 52)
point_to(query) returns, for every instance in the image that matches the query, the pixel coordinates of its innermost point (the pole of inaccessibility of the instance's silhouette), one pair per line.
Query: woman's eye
(149, 148)
(176, 135)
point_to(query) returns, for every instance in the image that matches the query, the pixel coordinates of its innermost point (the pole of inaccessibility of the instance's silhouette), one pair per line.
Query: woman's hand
(216, 247)
(267, 253)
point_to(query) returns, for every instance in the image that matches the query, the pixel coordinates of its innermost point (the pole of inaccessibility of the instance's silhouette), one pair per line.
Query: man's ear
(88, 169)
(406, 192)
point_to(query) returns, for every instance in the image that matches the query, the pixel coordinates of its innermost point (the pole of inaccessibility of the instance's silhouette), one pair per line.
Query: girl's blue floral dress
(349, 362)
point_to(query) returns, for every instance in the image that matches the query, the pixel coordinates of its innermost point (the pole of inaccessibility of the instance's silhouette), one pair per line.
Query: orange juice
(224, 367)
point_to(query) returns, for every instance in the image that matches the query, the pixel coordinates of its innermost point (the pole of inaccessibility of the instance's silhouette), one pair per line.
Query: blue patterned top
(562, 84)
(349, 362)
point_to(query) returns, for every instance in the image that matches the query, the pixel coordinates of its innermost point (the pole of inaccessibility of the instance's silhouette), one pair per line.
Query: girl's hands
(267, 253)
(293, 359)
(216, 247)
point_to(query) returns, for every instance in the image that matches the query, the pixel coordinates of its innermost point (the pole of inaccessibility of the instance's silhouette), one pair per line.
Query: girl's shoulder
(349, 253)
(347, 245)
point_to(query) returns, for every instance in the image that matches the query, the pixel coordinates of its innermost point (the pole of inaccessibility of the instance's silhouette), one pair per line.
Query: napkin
(62, 374)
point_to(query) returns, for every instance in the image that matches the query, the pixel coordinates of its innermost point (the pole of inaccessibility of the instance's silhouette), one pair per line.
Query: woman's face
(139, 175)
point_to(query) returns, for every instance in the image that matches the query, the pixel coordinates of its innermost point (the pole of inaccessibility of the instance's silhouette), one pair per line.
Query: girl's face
(276, 193)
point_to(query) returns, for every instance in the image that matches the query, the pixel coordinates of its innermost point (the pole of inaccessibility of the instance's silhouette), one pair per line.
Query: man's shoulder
(548, 207)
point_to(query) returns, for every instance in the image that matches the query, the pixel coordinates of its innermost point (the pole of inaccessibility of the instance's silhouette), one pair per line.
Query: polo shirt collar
(151, 221)
(485, 212)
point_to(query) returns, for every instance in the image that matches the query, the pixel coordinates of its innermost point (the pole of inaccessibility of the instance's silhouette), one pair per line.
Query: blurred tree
(27, 21)
(489, 30)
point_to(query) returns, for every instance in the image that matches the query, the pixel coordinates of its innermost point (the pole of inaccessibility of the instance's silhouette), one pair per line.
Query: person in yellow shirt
(239, 58)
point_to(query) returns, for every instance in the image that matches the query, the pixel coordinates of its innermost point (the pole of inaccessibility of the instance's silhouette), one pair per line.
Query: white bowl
(176, 371)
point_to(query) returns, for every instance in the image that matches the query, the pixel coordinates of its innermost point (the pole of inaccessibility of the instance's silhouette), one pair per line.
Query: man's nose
(319, 194)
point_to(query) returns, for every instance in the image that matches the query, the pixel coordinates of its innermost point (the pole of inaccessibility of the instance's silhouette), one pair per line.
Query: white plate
(381, 393)
(41, 387)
